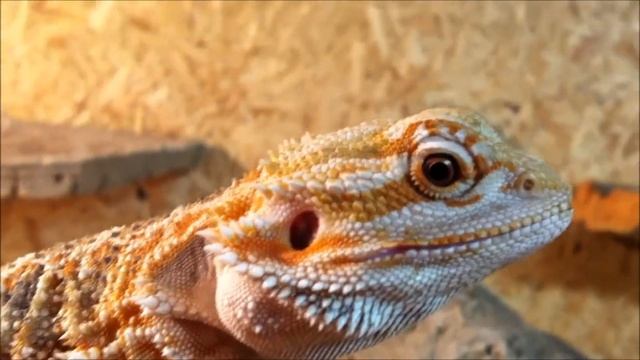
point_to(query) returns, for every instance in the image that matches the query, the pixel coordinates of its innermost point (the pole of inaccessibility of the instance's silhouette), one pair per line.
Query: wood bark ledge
(51, 161)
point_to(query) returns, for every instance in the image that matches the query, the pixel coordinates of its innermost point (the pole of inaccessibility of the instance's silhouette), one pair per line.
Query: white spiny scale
(321, 324)
(286, 278)
(259, 223)
(129, 335)
(112, 349)
(356, 314)
(330, 315)
(318, 286)
(303, 283)
(393, 311)
(256, 271)
(247, 222)
(346, 176)
(277, 188)
(269, 282)
(364, 184)
(296, 184)
(261, 188)
(284, 293)
(162, 296)
(257, 329)
(208, 234)
(314, 185)
(163, 309)
(148, 302)
(334, 185)
(239, 314)
(375, 315)
(390, 175)
(226, 231)
(229, 258)
(237, 229)
(241, 268)
(312, 319)
(420, 133)
(334, 287)
(325, 302)
(379, 179)
(365, 175)
(170, 352)
(214, 248)
(342, 321)
(347, 288)
(367, 309)
(350, 186)
(312, 310)
(300, 300)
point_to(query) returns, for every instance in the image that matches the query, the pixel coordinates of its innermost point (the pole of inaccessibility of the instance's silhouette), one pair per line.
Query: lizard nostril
(303, 230)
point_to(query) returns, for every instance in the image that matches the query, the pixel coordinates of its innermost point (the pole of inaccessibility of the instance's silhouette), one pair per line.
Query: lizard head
(341, 240)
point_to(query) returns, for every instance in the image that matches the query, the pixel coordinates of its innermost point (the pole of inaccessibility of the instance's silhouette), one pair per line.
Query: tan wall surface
(559, 77)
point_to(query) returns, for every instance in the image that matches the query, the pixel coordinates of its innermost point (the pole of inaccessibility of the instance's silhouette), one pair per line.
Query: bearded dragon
(332, 244)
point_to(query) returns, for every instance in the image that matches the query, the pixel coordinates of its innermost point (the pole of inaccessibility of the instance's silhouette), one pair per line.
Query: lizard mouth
(471, 242)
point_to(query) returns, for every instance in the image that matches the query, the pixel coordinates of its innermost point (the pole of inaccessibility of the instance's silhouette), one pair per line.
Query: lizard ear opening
(303, 229)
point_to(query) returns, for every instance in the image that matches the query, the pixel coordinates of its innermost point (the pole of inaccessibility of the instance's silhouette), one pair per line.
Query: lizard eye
(441, 168)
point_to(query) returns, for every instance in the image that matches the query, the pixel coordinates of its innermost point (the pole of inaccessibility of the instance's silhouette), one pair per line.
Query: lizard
(331, 244)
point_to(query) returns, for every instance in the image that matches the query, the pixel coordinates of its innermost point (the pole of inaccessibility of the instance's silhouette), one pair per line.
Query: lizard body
(332, 244)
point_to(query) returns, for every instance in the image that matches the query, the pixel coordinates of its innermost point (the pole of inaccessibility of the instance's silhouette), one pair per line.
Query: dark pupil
(441, 169)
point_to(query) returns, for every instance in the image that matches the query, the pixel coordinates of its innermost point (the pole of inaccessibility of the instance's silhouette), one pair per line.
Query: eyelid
(438, 145)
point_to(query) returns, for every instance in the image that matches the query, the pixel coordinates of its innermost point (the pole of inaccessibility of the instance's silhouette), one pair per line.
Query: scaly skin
(331, 245)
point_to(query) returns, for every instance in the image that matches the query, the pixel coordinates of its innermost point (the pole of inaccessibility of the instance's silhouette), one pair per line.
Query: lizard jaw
(466, 243)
